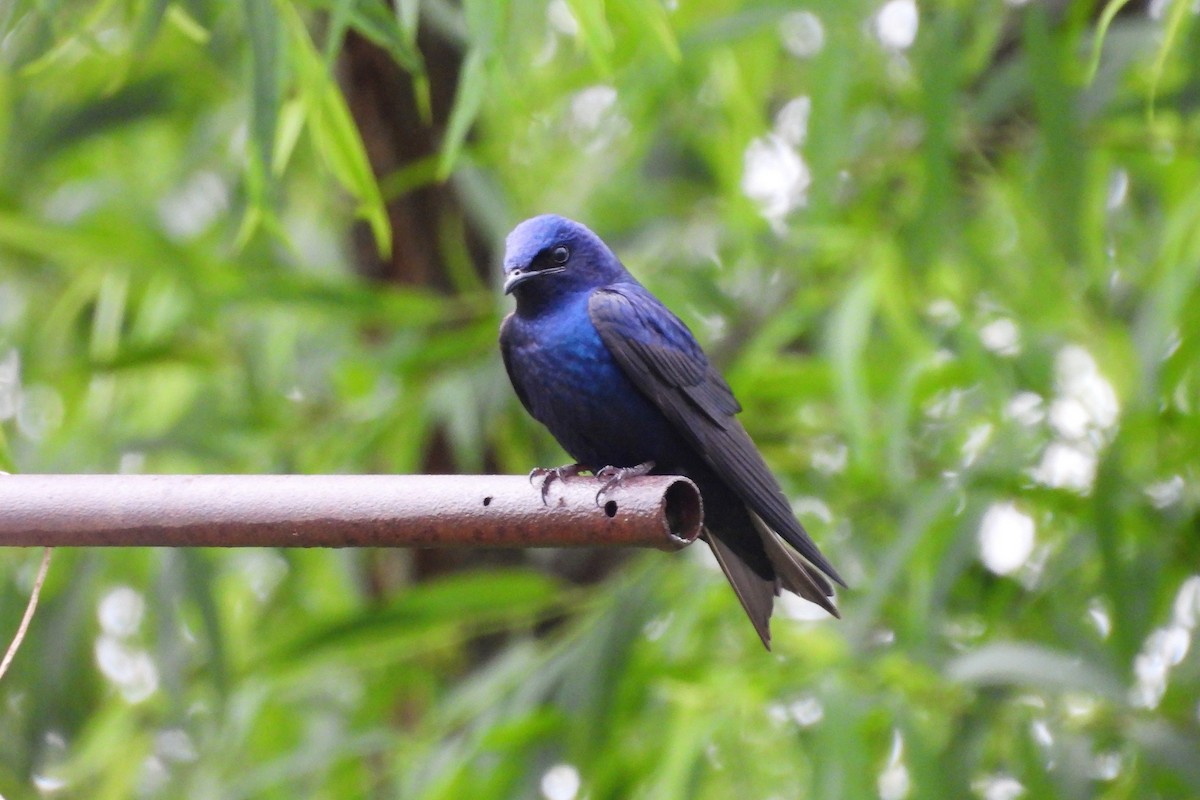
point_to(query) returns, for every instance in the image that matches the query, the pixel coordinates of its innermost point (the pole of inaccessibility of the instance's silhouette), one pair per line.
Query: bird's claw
(550, 474)
(613, 476)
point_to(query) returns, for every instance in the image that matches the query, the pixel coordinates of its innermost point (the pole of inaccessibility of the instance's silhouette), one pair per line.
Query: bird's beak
(515, 278)
(518, 276)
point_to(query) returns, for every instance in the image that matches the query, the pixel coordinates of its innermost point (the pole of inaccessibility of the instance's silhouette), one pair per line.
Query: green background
(971, 316)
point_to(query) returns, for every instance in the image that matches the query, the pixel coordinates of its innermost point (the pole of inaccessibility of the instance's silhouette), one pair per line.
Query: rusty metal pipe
(663, 512)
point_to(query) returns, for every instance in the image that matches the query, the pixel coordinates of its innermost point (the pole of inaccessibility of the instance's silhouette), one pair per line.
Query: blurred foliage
(956, 289)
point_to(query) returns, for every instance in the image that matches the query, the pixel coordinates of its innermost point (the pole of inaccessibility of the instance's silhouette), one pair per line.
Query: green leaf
(187, 25)
(1035, 667)
(291, 125)
(472, 85)
(441, 608)
(653, 17)
(1176, 20)
(485, 31)
(262, 23)
(383, 26)
(6, 460)
(594, 31)
(846, 340)
(151, 19)
(1111, 9)
(334, 133)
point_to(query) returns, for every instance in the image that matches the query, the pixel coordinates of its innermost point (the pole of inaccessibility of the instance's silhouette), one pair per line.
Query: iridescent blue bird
(622, 384)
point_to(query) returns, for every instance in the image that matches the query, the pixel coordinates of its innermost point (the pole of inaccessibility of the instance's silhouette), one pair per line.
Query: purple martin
(624, 387)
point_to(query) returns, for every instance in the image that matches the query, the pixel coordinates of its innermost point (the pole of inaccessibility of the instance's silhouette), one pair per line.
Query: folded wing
(662, 358)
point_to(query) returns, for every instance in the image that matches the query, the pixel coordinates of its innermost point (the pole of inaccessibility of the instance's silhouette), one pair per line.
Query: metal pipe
(663, 512)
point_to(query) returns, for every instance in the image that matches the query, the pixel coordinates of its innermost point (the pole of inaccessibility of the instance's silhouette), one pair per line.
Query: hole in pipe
(487, 501)
(610, 508)
(684, 509)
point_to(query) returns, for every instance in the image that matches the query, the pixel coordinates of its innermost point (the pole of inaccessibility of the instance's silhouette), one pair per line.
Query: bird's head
(550, 256)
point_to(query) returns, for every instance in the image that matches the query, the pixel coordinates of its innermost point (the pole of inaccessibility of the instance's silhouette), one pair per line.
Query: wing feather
(662, 358)
(506, 345)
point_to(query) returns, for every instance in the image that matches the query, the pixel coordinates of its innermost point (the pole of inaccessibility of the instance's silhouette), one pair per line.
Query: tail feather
(756, 593)
(792, 572)
(758, 563)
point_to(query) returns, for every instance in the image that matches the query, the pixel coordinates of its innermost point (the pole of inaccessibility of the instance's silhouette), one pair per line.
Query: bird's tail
(757, 589)
(792, 572)
(755, 592)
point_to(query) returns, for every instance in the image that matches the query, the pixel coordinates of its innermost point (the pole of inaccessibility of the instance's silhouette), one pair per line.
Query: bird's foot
(613, 476)
(551, 474)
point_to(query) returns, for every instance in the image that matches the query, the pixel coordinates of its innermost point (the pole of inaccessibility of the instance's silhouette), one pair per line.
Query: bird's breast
(570, 361)
(579, 392)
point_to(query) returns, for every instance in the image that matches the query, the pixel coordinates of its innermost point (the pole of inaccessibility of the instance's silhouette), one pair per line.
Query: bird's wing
(506, 345)
(662, 358)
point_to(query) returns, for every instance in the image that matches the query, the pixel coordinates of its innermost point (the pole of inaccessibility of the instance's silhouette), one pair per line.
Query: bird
(623, 385)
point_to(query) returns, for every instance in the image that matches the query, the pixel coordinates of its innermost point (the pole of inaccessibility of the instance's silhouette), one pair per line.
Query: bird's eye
(560, 254)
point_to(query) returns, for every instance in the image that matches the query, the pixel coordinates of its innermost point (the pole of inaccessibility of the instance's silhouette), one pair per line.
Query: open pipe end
(683, 510)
